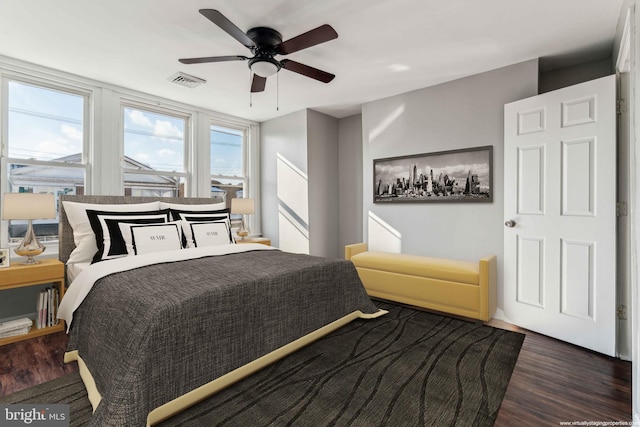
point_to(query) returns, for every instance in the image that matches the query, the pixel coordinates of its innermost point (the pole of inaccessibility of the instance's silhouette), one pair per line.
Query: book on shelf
(15, 332)
(15, 327)
(47, 308)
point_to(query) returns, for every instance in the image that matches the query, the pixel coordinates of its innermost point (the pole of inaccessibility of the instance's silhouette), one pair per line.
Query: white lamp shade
(242, 206)
(28, 206)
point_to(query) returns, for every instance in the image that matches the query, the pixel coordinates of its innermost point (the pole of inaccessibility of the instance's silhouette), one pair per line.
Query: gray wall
(287, 136)
(322, 160)
(308, 140)
(350, 181)
(569, 76)
(463, 113)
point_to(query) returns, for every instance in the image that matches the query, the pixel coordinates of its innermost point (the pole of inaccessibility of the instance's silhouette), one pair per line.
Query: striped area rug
(407, 368)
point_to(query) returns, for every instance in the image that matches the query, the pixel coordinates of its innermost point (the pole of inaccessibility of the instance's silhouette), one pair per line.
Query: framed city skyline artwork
(464, 175)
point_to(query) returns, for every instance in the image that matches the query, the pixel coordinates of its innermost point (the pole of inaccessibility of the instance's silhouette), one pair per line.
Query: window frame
(102, 136)
(245, 148)
(188, 118)
(87, 138)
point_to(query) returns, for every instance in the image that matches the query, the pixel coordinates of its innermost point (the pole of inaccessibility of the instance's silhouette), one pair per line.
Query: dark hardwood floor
(30, 362)
(555, 382)
(552, 382)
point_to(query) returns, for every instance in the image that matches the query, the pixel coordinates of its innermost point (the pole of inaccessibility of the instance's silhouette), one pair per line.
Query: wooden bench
(451, 286)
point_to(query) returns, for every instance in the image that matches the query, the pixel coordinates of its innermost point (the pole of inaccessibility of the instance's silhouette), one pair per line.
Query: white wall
(350, 181)
(463, 113)
(632, 100)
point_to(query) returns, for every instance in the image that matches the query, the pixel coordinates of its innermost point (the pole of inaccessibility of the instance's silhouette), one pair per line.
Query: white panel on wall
(532, 121)
(579, 111)
(578, 177)
(530, 271)
(382, 236)
(293, 188)
(577, 283)
(291, 237)
(531, 180)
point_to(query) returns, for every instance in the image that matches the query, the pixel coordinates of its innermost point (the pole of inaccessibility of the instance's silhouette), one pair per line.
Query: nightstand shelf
(20, 275)
(262, 240)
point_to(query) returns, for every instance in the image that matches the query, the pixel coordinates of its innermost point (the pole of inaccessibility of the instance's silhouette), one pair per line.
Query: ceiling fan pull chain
(278, 92)
(250, 91)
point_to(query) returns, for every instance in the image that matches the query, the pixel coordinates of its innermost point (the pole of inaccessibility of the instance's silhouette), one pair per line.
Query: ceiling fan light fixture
(264, 67)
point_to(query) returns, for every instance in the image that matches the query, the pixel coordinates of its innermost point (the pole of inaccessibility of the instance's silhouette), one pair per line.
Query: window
(154, 153)
(228, 172)
(46, 141)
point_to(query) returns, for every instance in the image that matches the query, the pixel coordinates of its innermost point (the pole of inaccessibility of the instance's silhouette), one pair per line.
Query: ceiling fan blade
(306, 70)
(258, 83)
(322, 34)
(229, 27)
(213, 59)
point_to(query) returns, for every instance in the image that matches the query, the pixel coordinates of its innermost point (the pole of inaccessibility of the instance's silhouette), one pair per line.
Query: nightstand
(262, 240)
(20, 275)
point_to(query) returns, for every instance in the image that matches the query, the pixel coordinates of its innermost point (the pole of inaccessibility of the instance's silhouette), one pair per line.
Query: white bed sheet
(75, 268)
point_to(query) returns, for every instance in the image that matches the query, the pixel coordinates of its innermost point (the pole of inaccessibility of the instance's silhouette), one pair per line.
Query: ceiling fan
(265, 43)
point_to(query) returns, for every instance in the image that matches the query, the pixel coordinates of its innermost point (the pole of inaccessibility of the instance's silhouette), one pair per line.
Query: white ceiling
(385, 47)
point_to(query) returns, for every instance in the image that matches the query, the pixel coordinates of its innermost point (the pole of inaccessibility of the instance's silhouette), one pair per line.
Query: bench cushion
(422, 266)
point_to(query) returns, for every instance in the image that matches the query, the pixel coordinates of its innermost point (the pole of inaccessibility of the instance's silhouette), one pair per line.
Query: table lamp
(29, 206)
(242, 207)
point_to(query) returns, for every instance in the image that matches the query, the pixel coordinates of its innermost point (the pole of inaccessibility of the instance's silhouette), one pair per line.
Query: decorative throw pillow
(108, 235)
(83, 235)
(199, 216)
(192, 208)
(209, 233)
(148, 238)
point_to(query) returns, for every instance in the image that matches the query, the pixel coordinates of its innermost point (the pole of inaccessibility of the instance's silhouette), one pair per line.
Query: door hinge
(621, 312)
(621, 209)
(621, 106)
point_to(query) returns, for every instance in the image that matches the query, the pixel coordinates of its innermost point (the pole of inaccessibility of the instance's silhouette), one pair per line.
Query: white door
(560, 216)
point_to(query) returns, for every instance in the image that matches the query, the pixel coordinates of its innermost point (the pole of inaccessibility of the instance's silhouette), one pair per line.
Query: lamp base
(243, 231)
(30, 246)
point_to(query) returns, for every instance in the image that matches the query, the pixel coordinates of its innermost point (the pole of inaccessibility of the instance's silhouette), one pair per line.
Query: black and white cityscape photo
(448, 176)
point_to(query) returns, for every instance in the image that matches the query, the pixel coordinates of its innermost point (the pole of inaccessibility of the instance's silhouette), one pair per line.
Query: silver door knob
(511, 223)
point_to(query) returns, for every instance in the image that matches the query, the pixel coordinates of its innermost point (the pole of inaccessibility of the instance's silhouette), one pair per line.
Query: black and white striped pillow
(109, 238)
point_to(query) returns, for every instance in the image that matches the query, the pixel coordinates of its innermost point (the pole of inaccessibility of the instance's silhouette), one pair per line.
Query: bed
(157, 332)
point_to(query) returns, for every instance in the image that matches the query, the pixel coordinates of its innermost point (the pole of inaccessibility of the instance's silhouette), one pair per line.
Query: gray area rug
(407, 368)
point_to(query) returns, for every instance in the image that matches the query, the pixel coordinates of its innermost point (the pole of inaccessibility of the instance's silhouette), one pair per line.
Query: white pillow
(204, 217)
(149, 238)
(83, 236)
(183, 207)
(209, 233)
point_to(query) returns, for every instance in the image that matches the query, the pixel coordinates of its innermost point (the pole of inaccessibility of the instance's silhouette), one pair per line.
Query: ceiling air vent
(187, 80)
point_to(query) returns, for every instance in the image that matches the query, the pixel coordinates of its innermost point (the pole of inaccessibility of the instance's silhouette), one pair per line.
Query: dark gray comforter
(154, 333)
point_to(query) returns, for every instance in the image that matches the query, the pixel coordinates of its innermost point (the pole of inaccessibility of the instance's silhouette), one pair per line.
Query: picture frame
(463, 175)
(5, 259)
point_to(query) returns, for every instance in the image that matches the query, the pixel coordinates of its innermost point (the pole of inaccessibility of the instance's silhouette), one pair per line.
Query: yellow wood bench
(451, 286)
